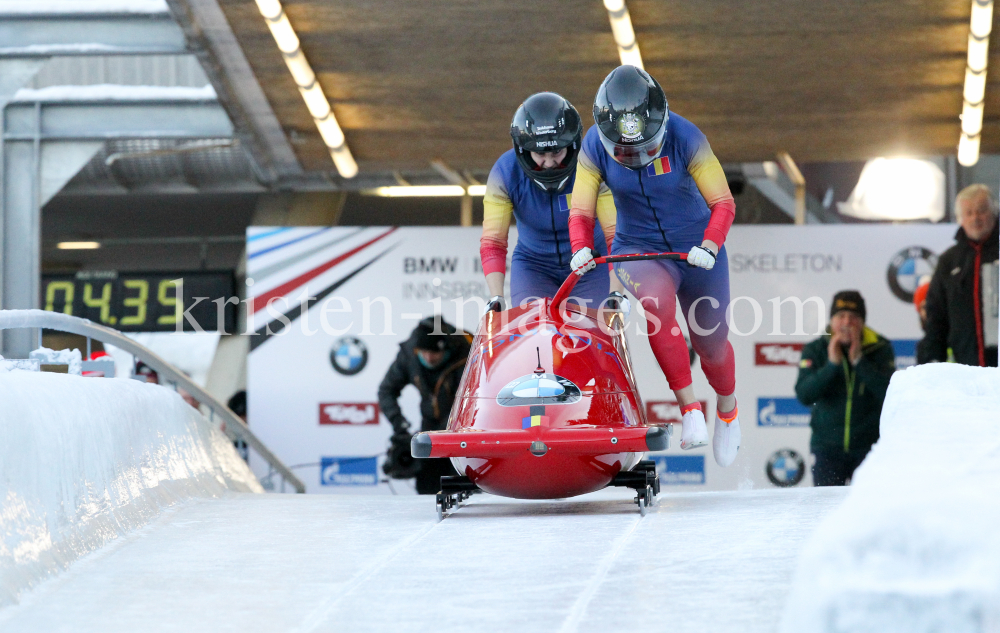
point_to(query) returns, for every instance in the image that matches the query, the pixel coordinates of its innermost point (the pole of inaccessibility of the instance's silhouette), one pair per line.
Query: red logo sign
(348, 413)
(663, 412)
(788, 354)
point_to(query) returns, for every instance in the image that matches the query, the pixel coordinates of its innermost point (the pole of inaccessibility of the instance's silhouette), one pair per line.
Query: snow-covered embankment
(84, 460)
(915, 547)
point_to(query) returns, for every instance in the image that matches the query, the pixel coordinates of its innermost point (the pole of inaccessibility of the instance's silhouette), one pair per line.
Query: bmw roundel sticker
(349, 356)
(906, 268)
(786, 468)
(538, 389)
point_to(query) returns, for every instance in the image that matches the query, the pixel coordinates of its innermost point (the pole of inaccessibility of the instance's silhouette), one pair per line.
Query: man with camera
(432, 359)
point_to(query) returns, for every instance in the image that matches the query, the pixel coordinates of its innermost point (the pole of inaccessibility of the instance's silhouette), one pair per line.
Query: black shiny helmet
(631, 115)
(546, 122)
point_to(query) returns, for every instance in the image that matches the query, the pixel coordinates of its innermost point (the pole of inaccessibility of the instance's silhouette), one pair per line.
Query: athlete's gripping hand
(583, 260)
(495, 304)
(701, 257)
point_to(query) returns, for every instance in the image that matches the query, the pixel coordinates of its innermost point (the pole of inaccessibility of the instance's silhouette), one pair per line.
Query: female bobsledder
(534, 183)
(672, 195)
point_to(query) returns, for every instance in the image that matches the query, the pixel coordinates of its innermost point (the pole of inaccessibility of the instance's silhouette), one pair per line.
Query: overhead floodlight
(332, 135)
(897, 189)
(624, 34)
(981, 22)
(477, 190)
(972, 118)
(968, 149)
(77, 246)
(312, 94)
(974, 92)
(975, 86)
(419, 191)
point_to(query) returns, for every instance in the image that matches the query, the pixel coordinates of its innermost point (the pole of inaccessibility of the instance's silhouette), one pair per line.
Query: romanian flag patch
(658, 167)
(565, 202)
(534, 420)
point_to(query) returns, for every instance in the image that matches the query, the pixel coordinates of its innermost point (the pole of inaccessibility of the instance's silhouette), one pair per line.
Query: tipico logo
(348, 413)
(782, 412)
(778, 354)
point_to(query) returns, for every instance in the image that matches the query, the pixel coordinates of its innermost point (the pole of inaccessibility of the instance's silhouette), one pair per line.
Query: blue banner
(348, 471)
(680, 469)
(782, 412)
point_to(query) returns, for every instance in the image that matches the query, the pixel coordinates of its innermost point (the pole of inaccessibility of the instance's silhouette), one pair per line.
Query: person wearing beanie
(432, 359)
(843, 377)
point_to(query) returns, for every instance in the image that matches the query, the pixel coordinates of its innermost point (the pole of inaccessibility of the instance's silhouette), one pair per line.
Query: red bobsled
(548, 407)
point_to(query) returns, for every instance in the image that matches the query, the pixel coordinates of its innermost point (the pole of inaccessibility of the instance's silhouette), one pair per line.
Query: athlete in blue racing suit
(535, 187)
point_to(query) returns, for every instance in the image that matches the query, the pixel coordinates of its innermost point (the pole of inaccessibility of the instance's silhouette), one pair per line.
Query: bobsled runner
(548, 407)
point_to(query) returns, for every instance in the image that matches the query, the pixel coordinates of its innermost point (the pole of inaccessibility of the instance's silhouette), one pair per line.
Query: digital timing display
(144, 302)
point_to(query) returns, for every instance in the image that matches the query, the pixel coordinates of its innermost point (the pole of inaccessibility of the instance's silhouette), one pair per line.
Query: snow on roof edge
(71, 7)
(113, 92)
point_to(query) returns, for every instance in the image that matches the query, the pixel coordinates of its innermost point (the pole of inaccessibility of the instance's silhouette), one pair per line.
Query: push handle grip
(567, 286)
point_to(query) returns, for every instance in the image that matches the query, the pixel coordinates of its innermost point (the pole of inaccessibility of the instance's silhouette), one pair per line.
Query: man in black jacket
(843, 376)
(962, 300)
(432, 360)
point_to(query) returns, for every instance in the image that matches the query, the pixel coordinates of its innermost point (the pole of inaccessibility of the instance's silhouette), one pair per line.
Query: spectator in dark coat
(962, 301)
(432, 360)
(843, 376)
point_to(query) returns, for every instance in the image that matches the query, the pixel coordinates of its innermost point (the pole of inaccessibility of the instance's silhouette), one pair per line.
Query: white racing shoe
(694, 430)
(726, 441)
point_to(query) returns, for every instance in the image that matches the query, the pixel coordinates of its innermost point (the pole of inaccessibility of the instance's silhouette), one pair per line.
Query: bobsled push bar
(567, 441)
(567, 286)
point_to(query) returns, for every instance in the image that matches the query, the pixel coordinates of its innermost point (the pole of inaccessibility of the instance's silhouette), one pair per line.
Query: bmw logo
(907, 267)
(785, 468)
(348, 356)
(538, 389)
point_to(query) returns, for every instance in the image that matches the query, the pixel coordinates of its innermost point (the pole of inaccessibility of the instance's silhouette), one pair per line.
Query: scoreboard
(145, 302)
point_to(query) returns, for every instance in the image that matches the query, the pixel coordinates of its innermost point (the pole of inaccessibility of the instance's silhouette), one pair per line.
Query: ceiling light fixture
(974, 94)
(77, 246)
(428, 191)
(621, 29)
(317, 103)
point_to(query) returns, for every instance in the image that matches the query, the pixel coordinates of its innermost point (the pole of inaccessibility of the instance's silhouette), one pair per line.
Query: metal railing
(231, 424)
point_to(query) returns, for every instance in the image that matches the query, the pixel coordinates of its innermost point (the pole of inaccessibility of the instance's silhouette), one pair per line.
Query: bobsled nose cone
(420, 445)
(656, 439)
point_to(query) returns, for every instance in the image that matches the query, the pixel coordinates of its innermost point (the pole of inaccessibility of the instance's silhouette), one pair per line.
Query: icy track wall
(915, 547)
(84, 460)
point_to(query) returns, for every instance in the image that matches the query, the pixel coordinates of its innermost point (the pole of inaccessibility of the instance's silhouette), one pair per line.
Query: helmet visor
(635, 156)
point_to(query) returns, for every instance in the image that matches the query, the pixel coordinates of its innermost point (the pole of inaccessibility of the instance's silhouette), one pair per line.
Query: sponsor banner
(782, 412)
(667, 412)
(330, 306)
(348, 413)
(906, 352)
(680, 469)
(348, 471)
(785, 468)
(788, 354)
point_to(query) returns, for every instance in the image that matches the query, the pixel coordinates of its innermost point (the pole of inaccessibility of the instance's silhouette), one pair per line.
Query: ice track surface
(697, 562)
